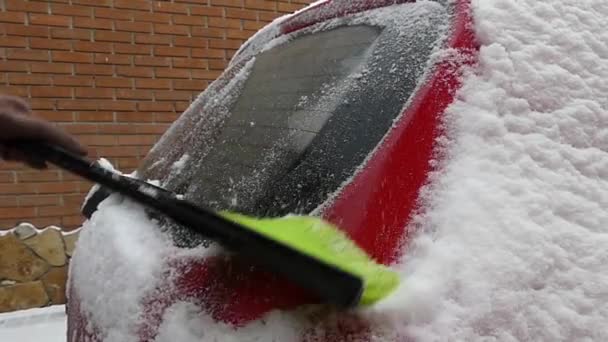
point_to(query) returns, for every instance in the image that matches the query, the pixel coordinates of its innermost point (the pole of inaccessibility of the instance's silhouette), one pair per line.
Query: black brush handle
(330, 283)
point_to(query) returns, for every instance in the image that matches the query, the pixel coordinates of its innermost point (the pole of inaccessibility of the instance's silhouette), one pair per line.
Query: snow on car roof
(513, 244)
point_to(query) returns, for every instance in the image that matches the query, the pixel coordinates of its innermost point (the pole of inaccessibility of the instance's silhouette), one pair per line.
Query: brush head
(325, 242)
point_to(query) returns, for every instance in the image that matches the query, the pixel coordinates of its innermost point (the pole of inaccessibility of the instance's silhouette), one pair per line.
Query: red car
(333, 111)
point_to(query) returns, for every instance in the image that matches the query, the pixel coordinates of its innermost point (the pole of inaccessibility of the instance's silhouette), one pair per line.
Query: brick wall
(115, 73)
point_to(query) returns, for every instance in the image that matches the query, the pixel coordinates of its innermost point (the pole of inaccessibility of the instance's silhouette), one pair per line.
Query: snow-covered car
(334, 111)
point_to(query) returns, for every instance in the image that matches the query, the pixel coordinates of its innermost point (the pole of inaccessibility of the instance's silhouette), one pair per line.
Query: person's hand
(18, 123)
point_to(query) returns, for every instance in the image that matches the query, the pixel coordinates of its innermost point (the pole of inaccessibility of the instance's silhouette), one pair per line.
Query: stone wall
(34, 266)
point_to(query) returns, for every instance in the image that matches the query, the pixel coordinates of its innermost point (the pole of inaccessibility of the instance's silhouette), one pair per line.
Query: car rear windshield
(282, 133)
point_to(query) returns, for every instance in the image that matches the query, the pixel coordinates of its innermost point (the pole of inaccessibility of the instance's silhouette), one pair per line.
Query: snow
(513, 243)
(47, 324)
(512, 240)
(113, 279)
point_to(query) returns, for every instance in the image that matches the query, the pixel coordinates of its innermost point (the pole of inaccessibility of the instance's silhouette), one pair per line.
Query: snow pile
(514, 243)
(118, 261)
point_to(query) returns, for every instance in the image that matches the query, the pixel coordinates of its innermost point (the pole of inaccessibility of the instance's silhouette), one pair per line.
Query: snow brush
(307, 250)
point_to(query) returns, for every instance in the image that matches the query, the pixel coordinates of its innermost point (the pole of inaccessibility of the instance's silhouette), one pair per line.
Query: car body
(376, 76)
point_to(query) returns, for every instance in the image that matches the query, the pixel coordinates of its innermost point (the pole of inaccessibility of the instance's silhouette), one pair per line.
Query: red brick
(216, 64)
(207, 11)
(106, 3)
(119, 128)
(12, 17)
(223, 22)
(77, 104)
(152, 17)
(133, 4)
(152, 84)
(208, 32)
(169, 7)
(81, 128)
(155, 107)
(181, 106)
(137, 140)
(112, 59)
(21, 91)
(80, 34)
(73, 57)
(119, 106)
(50, 20)
(240, 14)
(29, 79)
(108, 36)
(173, 95)
(86, 46)
(111, 13)
(130, 26)
(8, 201)
(208, 53)
(84, 69)
(38, 200)
(17, 212)
(171, 51)
(13, 42)
(7, 177)
(130, 94)
(51, 92)
(98, 140)
(104, 24)
(189, 63)
(75, 81)
(52, 68)
(224, 44)
(38, 176)
(14, 66)
(151, 61)
(93, 93)
(26, 6)
(190, 41)
(171, 73)
(56, 116)
(132, 49)
(58, 211)
(26, 31)
(268, 16)
(164, 117)
(38, 104)
(206, 74)
(151, 129)
(262, 5)
(227, 3)
(288, 8)
(17, 189)
(135, 117)
(240, 34)
(158, 39)
(72, 10)
(116, 151)
(134, 71)
(172, 29)
(28, 55)
(95, 116)
(189, 85)
(50, 44)
(253, 25)
(188, 20)
(113, 82)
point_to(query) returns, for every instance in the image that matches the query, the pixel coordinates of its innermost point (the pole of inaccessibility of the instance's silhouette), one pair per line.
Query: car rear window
(282, 134)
